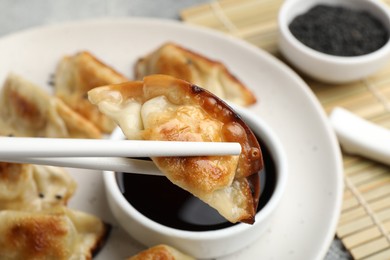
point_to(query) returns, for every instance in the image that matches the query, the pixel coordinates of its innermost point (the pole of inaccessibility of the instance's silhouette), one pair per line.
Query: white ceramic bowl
(324, 67)
(202, 244)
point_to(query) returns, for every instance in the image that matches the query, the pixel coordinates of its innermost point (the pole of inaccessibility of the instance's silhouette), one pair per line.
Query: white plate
(305, 223)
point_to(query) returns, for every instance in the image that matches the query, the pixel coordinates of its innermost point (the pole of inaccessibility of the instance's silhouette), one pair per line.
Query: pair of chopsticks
(104, 154)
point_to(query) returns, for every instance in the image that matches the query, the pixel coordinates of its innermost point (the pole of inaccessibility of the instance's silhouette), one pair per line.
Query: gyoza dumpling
(60, 234)
(75, 76)
(15, 179)
(161, 252)
(29, 187)
(165, 108)
(172, 59)
(27, 110)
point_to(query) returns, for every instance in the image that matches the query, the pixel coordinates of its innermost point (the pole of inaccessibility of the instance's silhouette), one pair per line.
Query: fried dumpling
(15, 179)
(172, 59)
(27, 110)
(161, 252)
(58, 234)
(30, 187)
(165, 108)
(54, 186)
(75, 76)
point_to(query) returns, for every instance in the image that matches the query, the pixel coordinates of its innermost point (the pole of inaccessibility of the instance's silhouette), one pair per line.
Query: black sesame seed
(188, 61)
(339, 31)
(51, 80)
(196, 89)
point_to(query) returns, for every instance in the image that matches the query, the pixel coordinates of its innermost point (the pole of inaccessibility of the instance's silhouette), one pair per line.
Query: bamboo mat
(364, 224)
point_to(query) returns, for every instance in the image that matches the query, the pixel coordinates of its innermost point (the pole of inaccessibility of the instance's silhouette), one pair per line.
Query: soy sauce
(163, 202)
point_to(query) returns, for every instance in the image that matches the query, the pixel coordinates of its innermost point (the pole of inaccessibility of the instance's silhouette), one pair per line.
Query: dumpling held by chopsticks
(165, 108)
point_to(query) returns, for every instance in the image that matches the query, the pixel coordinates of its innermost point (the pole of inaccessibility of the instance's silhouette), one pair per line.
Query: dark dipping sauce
(163, 202)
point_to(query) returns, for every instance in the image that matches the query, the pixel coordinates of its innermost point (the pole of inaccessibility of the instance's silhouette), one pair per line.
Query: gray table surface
(23, 14)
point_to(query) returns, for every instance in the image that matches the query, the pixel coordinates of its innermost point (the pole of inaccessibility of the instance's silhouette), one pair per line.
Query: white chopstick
(26, 147)
(116, 164)
(359, 136)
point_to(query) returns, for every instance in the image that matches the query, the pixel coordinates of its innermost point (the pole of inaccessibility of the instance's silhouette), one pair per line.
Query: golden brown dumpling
(161, 252)
(172, 59)
(27, 110)
(59, 234)
(165, 108)
(75, 76)
(15, 179)
(30, 187)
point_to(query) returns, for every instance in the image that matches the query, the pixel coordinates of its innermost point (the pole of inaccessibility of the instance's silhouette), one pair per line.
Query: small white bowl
(325, 67)
(203, 244)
